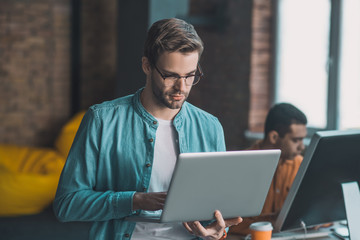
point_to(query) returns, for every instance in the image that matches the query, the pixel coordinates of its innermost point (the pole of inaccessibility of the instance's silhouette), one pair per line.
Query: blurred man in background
(285, 129)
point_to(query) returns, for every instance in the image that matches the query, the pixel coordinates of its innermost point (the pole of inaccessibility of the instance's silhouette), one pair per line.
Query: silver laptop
(351, 194)
(234, 182)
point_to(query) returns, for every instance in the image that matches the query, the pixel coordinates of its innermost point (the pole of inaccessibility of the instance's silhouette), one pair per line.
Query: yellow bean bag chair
(29, 176)
(28, 179)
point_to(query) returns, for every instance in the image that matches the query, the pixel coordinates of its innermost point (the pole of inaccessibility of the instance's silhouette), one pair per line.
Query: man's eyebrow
(298, 138)
(174, 73)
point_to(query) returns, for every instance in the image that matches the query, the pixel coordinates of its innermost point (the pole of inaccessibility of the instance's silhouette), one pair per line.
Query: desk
(299, 235)
(238, 237)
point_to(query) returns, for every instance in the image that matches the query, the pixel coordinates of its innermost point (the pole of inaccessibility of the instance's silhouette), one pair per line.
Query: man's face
(173, 64)
(292, 143)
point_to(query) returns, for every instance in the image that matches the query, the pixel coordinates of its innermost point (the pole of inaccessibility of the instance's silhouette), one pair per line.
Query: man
(125, 150)
(285, 129)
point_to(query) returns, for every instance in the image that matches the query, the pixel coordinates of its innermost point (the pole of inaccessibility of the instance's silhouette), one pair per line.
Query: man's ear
(145, 64)
(273, 137)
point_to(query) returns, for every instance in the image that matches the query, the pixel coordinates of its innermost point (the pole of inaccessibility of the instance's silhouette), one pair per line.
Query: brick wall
(34, 70)
(35, 90)
(260, 80)
(35, 99)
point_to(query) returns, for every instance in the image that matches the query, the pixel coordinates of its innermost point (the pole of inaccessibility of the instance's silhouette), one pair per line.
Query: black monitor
(316, 197)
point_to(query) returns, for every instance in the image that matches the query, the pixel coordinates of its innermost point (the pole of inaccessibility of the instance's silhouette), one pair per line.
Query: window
(317, 60)
(350, 65)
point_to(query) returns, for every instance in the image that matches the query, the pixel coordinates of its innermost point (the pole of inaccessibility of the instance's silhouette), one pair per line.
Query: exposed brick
(260, 65)
(35, 91)
(30, 67)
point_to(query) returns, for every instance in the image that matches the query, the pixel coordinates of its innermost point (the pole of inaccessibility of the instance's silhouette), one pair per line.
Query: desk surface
(238, 237)
(299, 235)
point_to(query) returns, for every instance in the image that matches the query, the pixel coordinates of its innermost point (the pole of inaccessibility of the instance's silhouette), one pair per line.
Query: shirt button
(154, 122)
(148, 164)
(151, 140)
(127, 235)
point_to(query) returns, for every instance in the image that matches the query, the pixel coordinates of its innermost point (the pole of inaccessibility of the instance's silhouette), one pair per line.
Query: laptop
(351, 199)
(234, 182)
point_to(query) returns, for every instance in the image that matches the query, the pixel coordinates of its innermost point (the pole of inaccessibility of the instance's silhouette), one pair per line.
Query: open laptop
(234, 182)
(351, 199)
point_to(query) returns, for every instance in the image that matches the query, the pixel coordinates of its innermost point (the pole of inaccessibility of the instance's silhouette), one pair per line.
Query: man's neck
(267, 145)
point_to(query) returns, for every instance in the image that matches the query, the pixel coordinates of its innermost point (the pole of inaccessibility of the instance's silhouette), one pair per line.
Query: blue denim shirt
(111, 159)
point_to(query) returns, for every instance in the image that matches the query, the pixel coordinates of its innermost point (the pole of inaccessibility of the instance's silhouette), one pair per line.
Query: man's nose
(180, 83)
(301, 146)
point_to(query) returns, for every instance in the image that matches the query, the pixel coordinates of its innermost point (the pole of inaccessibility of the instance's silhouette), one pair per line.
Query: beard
(167, 98)
(288, 155)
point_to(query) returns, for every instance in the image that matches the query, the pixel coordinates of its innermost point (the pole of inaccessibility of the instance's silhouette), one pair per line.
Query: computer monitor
(316, 197)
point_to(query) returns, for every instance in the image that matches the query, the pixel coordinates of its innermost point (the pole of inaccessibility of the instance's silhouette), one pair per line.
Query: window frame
(332, 119)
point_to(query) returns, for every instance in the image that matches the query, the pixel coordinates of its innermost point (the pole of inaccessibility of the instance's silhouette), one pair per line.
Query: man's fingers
(219, 219)
(159, 195)
(233, 221)
(197, 229)
(215, 229)
(187, 227)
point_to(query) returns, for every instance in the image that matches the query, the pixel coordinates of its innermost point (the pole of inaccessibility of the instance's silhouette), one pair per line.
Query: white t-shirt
(165, 156)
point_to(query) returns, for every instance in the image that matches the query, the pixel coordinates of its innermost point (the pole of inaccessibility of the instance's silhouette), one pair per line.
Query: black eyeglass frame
(197, 77)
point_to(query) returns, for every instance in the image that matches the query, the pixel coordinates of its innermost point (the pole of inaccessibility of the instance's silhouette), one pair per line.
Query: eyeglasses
(191, 79)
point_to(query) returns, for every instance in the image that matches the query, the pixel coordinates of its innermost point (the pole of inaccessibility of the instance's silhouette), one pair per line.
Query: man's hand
(213, 231)
(325, 225)
(149, 201)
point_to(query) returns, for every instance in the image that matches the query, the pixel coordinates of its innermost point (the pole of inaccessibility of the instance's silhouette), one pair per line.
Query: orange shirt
(281, 183)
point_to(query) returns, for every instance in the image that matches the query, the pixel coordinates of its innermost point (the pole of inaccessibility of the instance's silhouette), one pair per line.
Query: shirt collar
(150, 119)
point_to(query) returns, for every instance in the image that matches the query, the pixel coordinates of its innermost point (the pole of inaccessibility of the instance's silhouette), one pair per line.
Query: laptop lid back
(352, 207)
(234, 182)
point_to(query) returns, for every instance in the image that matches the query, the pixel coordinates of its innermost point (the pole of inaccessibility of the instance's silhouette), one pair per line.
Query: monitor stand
(352, 207)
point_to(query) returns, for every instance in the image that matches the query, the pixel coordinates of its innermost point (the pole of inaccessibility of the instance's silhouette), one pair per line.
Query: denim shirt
(111, 159)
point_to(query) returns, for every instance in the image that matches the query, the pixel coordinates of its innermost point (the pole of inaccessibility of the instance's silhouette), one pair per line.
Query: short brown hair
(171, 35)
